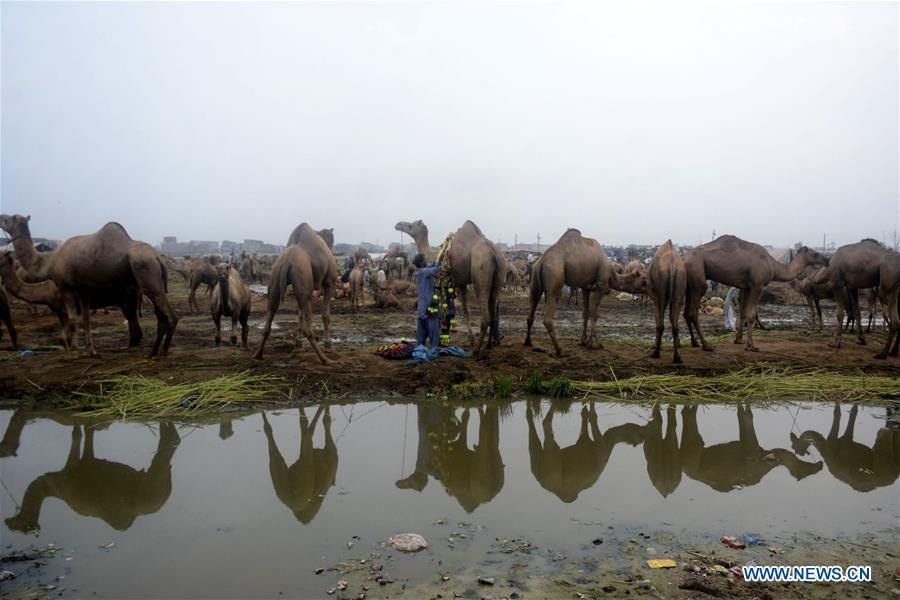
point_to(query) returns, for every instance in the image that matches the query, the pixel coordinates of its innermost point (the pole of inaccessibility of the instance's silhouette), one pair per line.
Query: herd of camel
(118, 493)
(108, 268)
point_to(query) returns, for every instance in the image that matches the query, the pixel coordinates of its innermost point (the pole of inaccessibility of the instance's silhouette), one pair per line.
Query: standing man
(427, 324)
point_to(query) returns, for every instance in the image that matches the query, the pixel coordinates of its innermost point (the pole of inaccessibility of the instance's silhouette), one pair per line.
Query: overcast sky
(776, 122)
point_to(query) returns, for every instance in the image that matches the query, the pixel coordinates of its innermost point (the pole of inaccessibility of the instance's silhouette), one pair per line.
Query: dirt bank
(625, 328)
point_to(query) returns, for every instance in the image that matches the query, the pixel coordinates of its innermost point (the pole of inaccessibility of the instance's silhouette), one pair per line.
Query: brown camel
(88, 266)
(231, 298)
(199, 271)
(474, 260)
(6, 319)
(667, 281)
(356, 288)
(865, 264)
(306, 265)
(577, 262)
(745, 265)
(250, 269)
(324, 267)
(45, 293)
(362, 254)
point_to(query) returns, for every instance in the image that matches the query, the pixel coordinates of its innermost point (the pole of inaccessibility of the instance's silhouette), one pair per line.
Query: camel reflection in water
(862, 468)
(471, 475)
(95, 487)
(302, 486)
(740, 463)
(566, 472)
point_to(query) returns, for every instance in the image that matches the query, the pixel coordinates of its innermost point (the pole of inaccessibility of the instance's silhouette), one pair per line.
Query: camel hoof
(751, 349)
(654, 354)
(677, 360)
(707, 348)
(218, 341)
(881, 356)
(695, 344)
(258, 356)
(861, 342)
(527, 343)
(234, 341)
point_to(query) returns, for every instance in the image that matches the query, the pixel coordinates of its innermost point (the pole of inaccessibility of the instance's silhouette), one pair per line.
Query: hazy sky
(777, 122)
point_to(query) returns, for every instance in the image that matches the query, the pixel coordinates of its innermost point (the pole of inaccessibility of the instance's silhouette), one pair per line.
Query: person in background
(427, 325)
(731, 300)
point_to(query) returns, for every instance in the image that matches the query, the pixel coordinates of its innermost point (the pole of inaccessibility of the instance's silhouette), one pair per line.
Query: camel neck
(33, 261)
(790, 271)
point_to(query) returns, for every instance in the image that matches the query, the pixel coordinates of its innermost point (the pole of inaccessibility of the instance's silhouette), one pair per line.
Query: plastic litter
(662, 563)
(732, 542)
(26, 353)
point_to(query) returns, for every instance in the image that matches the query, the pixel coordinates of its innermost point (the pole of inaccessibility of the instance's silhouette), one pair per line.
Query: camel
(865, 264)
(362, 254)
(6, 318)
(231, 298)
(667, 282)
(45, 293)
(173, 266)
(743, 462)
(199, 271)
(732, 261)
(88, 266)
(661, 451)
(566, 472)
(114, 492)
(250, 269)
(302, 487)
(862, 468)
(474, 260)
(357, 293)
(306, 265)
(577, 262)
(324, 267)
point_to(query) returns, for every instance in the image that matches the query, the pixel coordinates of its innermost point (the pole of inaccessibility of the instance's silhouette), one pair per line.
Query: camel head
(800, 444)
(223, 270)
(811, 257)
(414, 229)
(635, 280)
(328, 236)
(14, 224)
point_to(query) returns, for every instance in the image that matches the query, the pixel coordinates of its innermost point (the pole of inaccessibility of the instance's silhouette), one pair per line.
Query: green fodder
(560, 387)
(141, 397)
(761, 381)
(503, 386)
(535, 381)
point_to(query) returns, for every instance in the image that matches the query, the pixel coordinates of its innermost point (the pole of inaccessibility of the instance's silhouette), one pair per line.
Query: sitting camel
(865, 264)
(6, 319)
(577, 262)
(302, 487)
(307, 264)
(231, 298)
(93, 487)
(357, 293)
(667, 281)
(862, 468)
(45, 293)
(566, 472)
(741, 463)
(87, 266)
(744, 265)
(474, 260)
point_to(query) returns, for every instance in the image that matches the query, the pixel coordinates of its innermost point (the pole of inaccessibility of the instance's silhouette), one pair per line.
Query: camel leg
(749, 303)
(691, 314)
(165, 322)
(658, 314)
(217, 323)
(129, 311)
(531, 310)
(86, 326)
(6, 317)
(585, 315)
(274, 302)
(593, 298)
(74, 447)
(857, 318)
(841, 300)
(550, 301)
(192, 298)
(889, 301)
(674, 315)
(739, 330)
(304, 313)
(235, 315)
(327, 293)
(245, 315)
(463, 293)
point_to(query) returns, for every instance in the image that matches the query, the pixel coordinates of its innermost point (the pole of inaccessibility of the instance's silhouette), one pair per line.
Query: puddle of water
(250, 506)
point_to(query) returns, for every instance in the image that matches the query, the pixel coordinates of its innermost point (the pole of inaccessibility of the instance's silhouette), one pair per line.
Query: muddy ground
(626, 329)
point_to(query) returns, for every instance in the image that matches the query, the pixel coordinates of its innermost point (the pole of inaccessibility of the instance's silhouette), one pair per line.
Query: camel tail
(537, 283)
(165, 273)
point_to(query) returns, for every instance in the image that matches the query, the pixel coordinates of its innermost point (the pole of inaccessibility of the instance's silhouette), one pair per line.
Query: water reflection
(471, 475)
(740, 463)
(857, 465)
(302, 487)
(95, 487)
(566, 472)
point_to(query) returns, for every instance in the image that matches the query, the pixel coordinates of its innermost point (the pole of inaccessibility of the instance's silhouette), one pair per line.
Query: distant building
(172, 247)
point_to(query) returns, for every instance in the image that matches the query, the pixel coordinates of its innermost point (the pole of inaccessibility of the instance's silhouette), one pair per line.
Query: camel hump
(473, 226)
(297, 233)
(114, 227)
(871, 241)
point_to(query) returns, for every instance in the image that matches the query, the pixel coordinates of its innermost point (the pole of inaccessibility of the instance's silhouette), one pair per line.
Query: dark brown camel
(744, 265)
(667, 282)
(45, 293)
(87, 266)
(577, 262)
(6, 319)
(199, 271)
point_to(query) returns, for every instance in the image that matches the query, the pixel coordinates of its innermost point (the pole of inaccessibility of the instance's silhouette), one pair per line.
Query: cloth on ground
(422, 354)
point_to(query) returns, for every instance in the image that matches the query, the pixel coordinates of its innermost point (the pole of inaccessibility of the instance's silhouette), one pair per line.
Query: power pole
(539, 242)
(516, 242)
(824, 246)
